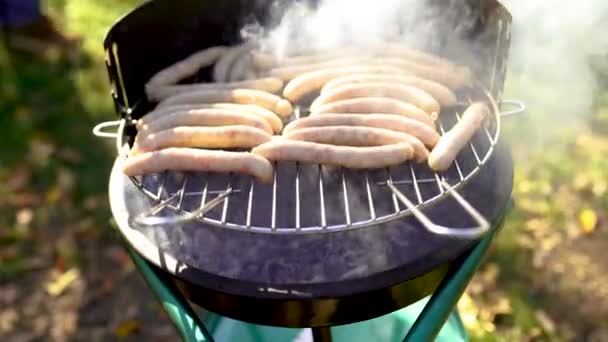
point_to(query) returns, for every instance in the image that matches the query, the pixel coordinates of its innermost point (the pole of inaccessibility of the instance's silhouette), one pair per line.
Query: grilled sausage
(376, 105)
(159, 93)
(288, 73)
(358, 136)
(424, 133)
(192, 159)
(456, 138)
(346, 156)
(187, 67)
(223, 67)
(312, 81)
(267, 61)
(202, 137)
(270, 117)
(238, 96)
(415, 96)
(413, 55)
(441, 93)
(452, 77)
(206, 117)
(243, 69)
(262, 61)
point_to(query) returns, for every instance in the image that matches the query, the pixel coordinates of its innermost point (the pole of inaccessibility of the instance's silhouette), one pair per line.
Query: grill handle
(462, 233)
(147, 218)
(518, 107)
(99, 131)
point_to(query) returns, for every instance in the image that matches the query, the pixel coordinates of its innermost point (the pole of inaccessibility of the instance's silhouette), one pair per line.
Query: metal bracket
(520, 107)
(98, 130)
(147, 218)
(463, 233)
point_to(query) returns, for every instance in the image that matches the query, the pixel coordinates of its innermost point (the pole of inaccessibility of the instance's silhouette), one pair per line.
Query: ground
(65, 276)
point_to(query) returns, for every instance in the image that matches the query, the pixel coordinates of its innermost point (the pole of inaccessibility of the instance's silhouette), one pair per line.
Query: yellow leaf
(63, 281)
(126, 328)
(588, 220)
(53, 195)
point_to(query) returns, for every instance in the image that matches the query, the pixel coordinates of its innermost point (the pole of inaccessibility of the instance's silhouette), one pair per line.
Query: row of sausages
(372, 111)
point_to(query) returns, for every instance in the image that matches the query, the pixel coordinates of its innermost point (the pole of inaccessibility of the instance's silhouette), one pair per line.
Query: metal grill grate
(308, 198)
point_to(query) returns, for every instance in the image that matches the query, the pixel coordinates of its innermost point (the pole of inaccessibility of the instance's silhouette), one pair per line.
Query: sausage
(414, 55)
(309, 82)
(202, 137)
(265, 61)
(206, 117)
(455, 139)
(453, 78)
(193, 159)
(345, 156)
(262, 61)
(159, 93)
(358, 136)
(376, 105)
(270, 117)
(223, 67)
(441, 93)
(238, 96)
(243, 69)
(187, 67)
(288, 73)
(424, 133)
(415, 96)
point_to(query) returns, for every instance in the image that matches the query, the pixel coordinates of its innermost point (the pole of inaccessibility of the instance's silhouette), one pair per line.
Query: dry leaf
(54, 194)
(126, 328)
(545, 321)
(62, 282)
(25, 217)
(588, 220)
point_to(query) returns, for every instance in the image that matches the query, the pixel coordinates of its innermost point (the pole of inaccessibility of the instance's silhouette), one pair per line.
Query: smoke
(332, 24)
(550, 53)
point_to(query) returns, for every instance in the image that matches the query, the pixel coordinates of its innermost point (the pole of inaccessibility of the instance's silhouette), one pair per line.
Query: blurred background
(64, 275)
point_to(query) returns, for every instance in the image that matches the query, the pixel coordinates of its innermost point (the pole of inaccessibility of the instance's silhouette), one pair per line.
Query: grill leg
(321, 334)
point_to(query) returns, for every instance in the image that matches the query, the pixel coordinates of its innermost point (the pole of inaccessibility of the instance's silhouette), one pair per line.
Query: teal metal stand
(427, 326)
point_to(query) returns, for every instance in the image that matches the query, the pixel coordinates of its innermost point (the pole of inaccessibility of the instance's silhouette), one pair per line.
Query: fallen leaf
(545, 321)
(126, 328)
(54, 194)
(588, 220)
(25, 216)
(62, 282)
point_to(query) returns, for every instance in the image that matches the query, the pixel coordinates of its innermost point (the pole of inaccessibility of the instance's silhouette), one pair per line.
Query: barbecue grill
(320, 246)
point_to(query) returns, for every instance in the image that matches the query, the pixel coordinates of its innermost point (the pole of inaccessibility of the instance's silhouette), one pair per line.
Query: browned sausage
(346, 156)
(203, 137)
(424, 133)
(376, 105)
(415, 96)
(238, 96)
(443, 94)
(456, 138)
(358, 136)
(187, 67)
(193, 159)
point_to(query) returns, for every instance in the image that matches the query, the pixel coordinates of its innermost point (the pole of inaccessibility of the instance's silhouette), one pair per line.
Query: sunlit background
(64, 275)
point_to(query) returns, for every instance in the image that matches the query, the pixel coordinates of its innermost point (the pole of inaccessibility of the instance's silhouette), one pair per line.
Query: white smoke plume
(338, 23)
